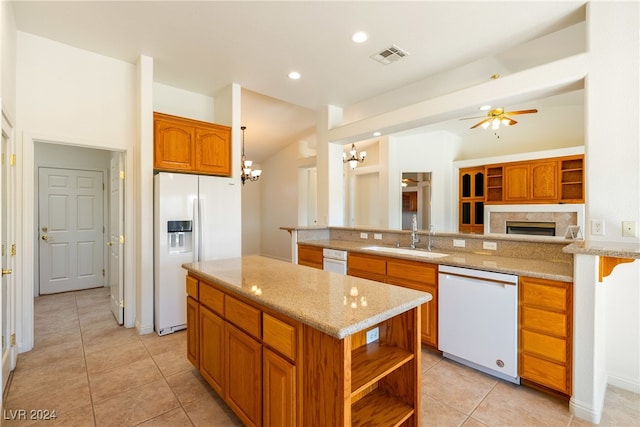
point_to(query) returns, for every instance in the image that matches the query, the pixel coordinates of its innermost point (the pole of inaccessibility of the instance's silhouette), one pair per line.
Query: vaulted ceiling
(203, 46)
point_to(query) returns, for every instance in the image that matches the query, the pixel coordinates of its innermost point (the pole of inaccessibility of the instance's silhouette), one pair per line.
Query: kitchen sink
(405, 251)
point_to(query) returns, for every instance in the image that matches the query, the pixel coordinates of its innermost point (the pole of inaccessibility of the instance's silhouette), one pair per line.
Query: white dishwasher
(478, 320)
(334, 260)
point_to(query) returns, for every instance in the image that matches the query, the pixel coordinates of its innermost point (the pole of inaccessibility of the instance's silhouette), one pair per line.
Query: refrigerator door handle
(201, 230)
(196, 234)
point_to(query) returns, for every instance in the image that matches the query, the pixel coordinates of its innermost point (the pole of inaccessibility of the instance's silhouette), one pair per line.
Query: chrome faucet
(414, 231)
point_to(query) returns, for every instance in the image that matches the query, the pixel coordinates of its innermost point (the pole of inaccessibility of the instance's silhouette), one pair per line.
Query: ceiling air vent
(389, 55)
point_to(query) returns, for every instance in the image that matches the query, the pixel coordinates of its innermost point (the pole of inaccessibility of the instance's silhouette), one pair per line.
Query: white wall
(252, 217)
(182, 103)
(8, 59)
(70, 96)
(279, 201)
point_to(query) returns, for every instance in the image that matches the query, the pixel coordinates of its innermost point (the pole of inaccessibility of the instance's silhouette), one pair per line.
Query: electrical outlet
(459, 243)
(597, 227)
(492, 246)
(377, 236)
(629, 228)
(373, 335)
(364, 235)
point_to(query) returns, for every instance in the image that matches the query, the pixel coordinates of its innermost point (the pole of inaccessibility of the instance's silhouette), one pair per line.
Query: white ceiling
(203, 46)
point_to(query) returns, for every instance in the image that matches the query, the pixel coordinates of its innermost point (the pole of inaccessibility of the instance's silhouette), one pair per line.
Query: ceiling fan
(498, 116)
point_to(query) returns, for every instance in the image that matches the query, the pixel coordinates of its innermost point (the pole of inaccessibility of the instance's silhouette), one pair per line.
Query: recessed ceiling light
(294, 75)
(377, 134)
(359, 37)
(485, 107)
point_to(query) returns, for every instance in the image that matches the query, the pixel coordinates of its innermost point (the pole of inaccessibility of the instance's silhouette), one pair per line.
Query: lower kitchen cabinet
(212, 349)
(279, 390)
(243, 381)
(311, 256)
(416, 275)
(546, 334)
(193, 333)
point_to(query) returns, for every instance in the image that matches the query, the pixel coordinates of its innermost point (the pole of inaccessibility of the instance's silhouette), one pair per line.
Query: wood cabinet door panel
(367, 263)
(311, 256)
(212, 349)
(423, 273)
(243, 379)
(192, 287)
(279, 391)
(517, 182)
(544, 321)
(243, 316)
(174, 145)
(544, 177)
(193, 332)
(544, 345)
(279, 335)
(543, 372)
(544, 294)
(213, 150)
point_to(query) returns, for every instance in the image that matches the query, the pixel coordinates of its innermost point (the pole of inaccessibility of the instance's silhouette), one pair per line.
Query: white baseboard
(629, 384)
(585, 412)
(144, 329)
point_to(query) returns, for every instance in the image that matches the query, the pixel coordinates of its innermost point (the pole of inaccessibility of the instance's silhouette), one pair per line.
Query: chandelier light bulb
(353, 158)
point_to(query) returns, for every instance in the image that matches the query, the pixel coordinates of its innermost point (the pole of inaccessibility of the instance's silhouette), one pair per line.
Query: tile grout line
(86, 366)
(153, 359)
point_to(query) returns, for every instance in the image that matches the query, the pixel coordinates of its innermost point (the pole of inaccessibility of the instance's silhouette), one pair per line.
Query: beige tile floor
(92, 372)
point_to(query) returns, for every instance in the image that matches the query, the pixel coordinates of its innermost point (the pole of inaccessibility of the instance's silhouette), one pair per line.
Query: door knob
(7, 271)
(45, 237)
(109, 244)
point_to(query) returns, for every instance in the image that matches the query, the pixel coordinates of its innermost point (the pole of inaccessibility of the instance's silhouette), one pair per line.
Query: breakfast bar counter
(285, 344)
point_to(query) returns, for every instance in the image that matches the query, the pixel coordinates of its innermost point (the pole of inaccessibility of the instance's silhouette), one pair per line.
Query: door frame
(27, 223)
(12, 220)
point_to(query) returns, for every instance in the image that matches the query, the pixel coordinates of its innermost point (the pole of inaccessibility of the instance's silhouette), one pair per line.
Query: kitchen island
(285, 344)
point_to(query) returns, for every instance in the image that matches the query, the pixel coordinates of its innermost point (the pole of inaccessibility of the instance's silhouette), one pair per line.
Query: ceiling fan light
(506, 122)
(485, 125)
(495, 124)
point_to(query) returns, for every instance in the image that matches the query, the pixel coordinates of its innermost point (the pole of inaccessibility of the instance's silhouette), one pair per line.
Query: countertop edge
(602, 248)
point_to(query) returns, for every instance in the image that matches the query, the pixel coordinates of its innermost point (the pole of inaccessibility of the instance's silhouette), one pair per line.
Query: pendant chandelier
(354, 158)
(248, 174)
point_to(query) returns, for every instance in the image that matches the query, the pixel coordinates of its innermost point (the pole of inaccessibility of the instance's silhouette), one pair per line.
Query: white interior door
(7, 306)
(115, 243)
(71, 226)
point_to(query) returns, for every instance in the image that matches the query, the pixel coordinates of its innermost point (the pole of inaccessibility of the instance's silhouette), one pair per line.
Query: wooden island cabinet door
(243, 382)
(279, 390)
(193, 332)
(212, 349)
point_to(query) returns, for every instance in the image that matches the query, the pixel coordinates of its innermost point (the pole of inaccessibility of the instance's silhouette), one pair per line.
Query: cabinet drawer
(548, 322)
(544, 345)
(192, 287)
(243, 315)
(541, 293)
(310, 256)
(367, 263)
(543, 372)
(413, 271)
(279, 335)
(212, 298)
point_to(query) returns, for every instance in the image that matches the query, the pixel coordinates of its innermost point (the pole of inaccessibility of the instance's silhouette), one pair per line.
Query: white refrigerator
(196, 218)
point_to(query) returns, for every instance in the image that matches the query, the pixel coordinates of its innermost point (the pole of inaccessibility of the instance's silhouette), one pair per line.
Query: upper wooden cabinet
(553, 180)
(186, 145)
(472, 198)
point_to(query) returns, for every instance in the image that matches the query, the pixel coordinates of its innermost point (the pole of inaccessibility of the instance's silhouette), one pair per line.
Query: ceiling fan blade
(511, 121)
(476, 117)
(480, 123)
(522, 112)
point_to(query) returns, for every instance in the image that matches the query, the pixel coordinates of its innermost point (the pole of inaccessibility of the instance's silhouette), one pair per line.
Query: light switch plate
(377, 236)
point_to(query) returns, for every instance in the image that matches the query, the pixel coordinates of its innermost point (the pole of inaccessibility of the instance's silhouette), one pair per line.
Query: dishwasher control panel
(334, 254)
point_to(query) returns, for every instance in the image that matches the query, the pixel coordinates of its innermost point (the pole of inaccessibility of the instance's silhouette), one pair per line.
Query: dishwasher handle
(480, 279)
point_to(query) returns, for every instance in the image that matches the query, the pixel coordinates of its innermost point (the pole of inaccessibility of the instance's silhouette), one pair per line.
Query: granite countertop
(560, 270)
(601, 248)
(314, 297)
